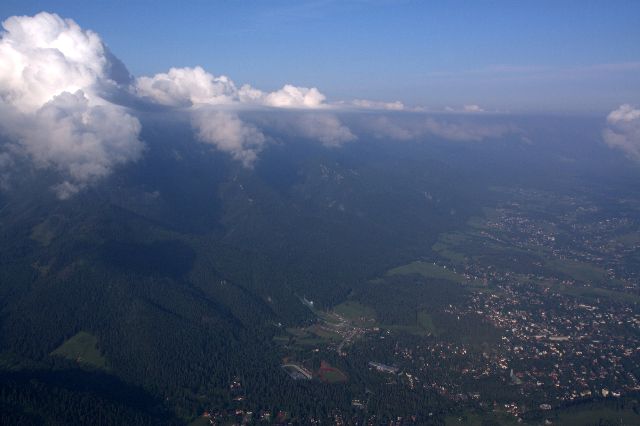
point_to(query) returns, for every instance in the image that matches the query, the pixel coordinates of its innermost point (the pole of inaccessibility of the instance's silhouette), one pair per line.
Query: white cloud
(187, 87)
(195, 86)
(295, 97)
(383, 128)
(57, 82)
(624, 113)
(623, 131)
(228, 133)
(367, 104)
(43, 56)
(201, 92)
(53, 76)
(465, 108)
(326, 128)
(472, 108)
(80, 140)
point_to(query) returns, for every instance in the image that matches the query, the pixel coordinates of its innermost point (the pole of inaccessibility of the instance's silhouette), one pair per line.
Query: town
(557, 297)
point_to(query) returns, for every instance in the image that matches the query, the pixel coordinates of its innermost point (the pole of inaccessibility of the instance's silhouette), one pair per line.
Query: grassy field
(595, 293)
(452, 246)
(297, 332)
(408, 329)
(598, 416)
(314, 335)
(427, 270)
(82, 348)
(445, 247)
(579, 271)
(356, 312)
(327, 317)
(324, 332)
(424, 326)
(310, 341)
(301, 337)
(425, 322)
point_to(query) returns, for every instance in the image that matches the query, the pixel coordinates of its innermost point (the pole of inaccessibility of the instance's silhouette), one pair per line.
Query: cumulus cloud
(54, 77)
(200, 92)
(43, 56)
(187, 87)
(295, 97)
(385, 128)
(323, 127)
(81, 141)
(228, 133)
(623, 130)
(625, 113)
(472, 108)
(195, 86)
(465, 108)
(60, 87)
(57, 79)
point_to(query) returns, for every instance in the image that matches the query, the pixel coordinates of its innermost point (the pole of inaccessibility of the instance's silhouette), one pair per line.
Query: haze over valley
(179, 246)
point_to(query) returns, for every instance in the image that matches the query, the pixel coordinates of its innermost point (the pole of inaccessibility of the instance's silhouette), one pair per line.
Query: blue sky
(503, 55)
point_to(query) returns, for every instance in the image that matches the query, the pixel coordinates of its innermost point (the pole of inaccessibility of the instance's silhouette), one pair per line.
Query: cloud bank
(450, 129)
(325, 128)
(389, 106)
(200, 92)
(53, 80)
(195, 86)
(227, 132)
(623, 130)
(62, 96)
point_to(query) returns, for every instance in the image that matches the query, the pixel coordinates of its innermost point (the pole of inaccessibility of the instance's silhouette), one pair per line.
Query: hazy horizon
(529, 57)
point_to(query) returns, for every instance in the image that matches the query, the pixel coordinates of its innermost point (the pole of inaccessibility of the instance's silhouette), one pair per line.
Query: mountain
(145, 297)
